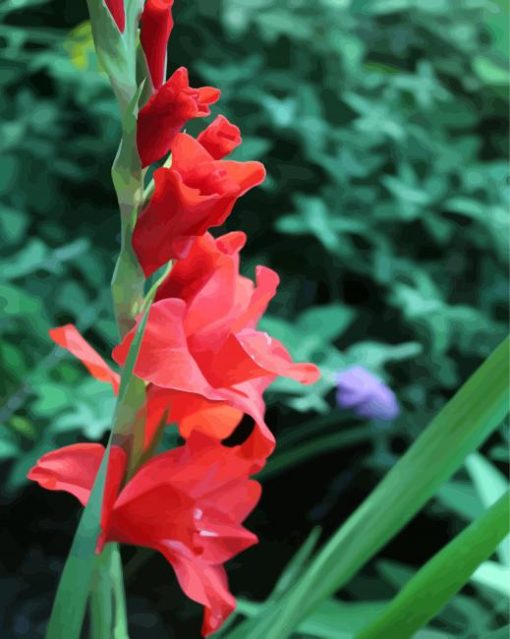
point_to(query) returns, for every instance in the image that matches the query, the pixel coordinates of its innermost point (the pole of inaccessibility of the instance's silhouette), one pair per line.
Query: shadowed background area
(382, 124)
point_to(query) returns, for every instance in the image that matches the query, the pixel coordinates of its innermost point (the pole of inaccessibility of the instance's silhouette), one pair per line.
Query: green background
(382, 124)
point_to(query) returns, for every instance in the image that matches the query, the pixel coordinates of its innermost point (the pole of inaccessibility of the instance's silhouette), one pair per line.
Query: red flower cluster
(188, 504)
(195, 194)
(203, 361)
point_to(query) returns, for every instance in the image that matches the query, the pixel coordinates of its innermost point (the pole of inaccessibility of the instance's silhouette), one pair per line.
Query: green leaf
(13, 225)
(461, 498)
(490, 484)
(464, 423)
(328, 321)
(439, 579)
(314, 447)
(108, 619)
(101, 608)
(69, 606)
(296, 565)
(332, 620)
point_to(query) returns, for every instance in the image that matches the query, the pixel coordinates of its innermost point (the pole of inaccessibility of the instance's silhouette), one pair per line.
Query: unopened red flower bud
(157, 25)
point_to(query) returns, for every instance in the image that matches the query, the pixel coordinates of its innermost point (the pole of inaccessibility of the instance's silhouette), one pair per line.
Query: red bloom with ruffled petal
(220, 138)
(167, 112)
(197, 193)
(200, 337)
(205, 363)
(191, 412)
(156, 27)
(188, 504)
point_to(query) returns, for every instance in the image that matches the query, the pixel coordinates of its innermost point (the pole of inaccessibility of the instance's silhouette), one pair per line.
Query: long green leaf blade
(440, 578)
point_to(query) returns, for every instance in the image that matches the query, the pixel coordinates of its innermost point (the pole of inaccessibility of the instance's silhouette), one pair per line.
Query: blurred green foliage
(383, 127)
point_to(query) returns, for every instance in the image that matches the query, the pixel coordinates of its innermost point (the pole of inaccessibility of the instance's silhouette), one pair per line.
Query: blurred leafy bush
(383, 126)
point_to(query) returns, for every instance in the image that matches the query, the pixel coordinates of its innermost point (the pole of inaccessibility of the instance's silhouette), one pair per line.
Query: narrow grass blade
(309, 449)
(435, 583)
(464, 423)
(490, 484)
(120, 625)
(331, 620)
(297, 564)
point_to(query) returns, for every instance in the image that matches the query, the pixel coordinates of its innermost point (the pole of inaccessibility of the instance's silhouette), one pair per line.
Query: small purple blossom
(365, 394)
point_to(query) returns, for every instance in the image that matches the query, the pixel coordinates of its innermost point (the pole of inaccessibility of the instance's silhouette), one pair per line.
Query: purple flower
(365, 394)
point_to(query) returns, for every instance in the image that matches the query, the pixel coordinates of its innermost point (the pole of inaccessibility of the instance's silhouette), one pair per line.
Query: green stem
(128, 178)
(312, 427)
(120, 627)
(117, 53)
(442, 577)
(100, 603)
(281, 462)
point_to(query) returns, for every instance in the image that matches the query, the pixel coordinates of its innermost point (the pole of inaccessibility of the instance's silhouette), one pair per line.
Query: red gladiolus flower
(187, 503)
(116, 8)
(166, 113)
(200, 337)
(220, 138)
(190, 412)
(205, 363)
(156, 27)
(197, 193)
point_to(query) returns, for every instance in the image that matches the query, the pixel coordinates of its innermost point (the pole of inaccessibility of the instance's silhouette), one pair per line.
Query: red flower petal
(201, 469)
(116, 8)
(218, 540)
(192, 413)
(220, 138)
(69, 338)
(247, 397)
(203, 583)
(250, 354)
(167, 112)
(270, 355)
(151, 513)
(73, 469)
(188, 504)
(267, 283)
(197, 193)
(157, 25)
(164, 358)
(188, 276)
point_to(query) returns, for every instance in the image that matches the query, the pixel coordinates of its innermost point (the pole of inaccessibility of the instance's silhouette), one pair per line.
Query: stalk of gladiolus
(194, 357)
(115, 48)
